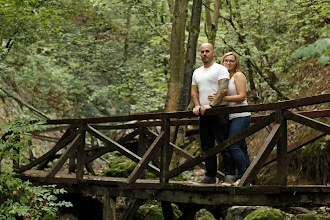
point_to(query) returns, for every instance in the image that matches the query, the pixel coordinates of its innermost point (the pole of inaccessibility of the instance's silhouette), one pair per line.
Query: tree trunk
(175, 86)
(212, 21)
(128, 25)
(191, 51)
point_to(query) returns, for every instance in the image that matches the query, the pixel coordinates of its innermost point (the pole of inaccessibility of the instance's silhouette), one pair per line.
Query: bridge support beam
(109, 207)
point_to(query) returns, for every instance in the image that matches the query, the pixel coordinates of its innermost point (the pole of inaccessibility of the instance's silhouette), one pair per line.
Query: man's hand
(197, 110)
(203, 108)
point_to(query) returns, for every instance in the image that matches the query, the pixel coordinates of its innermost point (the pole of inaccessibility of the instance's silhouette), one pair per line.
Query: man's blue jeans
(236, 156)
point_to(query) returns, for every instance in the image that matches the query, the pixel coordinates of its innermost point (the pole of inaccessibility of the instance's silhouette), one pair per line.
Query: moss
(152, 210)
(203, 214)
(120, 167)
(312, 217)
(265, 214)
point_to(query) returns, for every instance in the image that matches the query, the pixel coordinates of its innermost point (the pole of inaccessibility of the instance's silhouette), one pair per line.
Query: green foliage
(320, 48)
(265, 214)
(19, 198)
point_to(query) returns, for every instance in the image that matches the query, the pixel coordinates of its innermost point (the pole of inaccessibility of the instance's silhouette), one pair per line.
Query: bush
(18, 198)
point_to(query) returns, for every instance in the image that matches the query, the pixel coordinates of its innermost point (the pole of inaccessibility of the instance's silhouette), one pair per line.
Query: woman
(235, 156)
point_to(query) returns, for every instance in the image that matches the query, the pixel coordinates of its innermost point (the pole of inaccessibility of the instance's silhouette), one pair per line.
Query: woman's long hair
(238, 66)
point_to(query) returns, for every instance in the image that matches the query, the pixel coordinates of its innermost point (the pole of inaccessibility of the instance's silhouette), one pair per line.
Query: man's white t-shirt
(206, 79)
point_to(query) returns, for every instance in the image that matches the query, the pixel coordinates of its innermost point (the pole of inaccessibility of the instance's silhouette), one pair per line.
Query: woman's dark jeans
(236, 156)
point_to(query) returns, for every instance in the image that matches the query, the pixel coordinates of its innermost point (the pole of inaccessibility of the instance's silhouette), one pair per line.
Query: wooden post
(81, 154)
(142, 147)
(109, 207)
(164, 163)
(167, 210)
(282, 155)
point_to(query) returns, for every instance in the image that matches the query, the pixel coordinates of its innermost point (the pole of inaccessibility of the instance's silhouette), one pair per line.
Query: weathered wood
(120, 148)
(282, 155)
(70, 149)
(146, 158)
(247, 132)
(185, 192)
(58, 146)
(167, 210)
(182, 153)
(262, 155)
(103, 150)
(164, 160)
(297, 145)
(72, 163)
(132, 207)
(81, 154)
(189, 211)
(109, 206)
(307, 121)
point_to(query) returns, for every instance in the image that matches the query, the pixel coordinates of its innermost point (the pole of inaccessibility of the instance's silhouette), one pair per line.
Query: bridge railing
(75, 149)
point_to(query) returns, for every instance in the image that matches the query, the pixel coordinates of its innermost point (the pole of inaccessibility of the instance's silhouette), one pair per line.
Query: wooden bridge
(75, 149)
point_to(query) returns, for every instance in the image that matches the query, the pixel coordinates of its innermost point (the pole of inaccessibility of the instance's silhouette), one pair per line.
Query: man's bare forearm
(218, 98)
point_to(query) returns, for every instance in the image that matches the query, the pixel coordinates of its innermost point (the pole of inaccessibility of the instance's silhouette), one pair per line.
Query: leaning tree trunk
(175, 86)
(191, 51)
(212, 21)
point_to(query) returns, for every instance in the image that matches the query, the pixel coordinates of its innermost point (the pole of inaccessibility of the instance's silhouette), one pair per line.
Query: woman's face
(230, 63)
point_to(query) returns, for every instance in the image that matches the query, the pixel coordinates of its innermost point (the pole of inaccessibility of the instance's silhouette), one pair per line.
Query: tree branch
(19, 100)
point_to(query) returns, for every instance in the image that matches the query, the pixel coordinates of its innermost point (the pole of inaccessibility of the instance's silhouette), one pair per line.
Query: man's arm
(222, 90)
(195, 99)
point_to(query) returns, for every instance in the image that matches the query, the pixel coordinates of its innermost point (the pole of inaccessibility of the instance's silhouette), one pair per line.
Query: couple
(221, 85)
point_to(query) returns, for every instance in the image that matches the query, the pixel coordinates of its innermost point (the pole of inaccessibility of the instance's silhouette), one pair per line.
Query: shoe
(237, 182)
(206, 181)
(228, 182)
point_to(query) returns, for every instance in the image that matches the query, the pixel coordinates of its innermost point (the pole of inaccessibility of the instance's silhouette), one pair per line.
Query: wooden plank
(97, 120)
(146, 158)
(70, 149)
(81, 154)
(282, 155)
(109, 206)
(247, 132)
(164, 158)
(104, 150)
(307, 121)
(317, 99)
(58, 146)
(167, 210)
(298, 144)
(120, 148)
(262, 155)
(182, 153)
(131, 209)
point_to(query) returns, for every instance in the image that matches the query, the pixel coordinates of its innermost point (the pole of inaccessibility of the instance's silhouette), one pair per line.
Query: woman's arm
(240, 83)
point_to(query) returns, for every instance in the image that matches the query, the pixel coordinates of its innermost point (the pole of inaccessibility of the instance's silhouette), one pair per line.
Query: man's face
(207, 53)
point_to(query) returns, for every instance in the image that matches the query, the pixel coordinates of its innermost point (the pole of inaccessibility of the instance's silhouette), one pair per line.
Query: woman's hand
(211, 97)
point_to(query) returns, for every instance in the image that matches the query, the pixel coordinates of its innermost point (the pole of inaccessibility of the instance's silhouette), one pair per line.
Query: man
(209, 79)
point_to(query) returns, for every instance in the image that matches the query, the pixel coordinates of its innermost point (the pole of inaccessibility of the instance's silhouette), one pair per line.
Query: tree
(175, 85)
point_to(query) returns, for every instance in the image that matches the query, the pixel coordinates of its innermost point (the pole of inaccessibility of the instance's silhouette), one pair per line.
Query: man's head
(207, 54)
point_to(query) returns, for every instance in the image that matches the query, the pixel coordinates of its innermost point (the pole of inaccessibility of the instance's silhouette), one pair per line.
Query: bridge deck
(187, 192)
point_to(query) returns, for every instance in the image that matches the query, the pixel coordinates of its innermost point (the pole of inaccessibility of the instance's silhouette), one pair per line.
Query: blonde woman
(235, 157)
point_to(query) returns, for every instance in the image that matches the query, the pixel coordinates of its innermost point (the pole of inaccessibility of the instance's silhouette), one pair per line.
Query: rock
(239, 212)
(267, 214)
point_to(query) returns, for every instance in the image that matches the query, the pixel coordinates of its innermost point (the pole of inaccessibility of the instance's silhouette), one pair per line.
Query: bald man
(211, 78)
